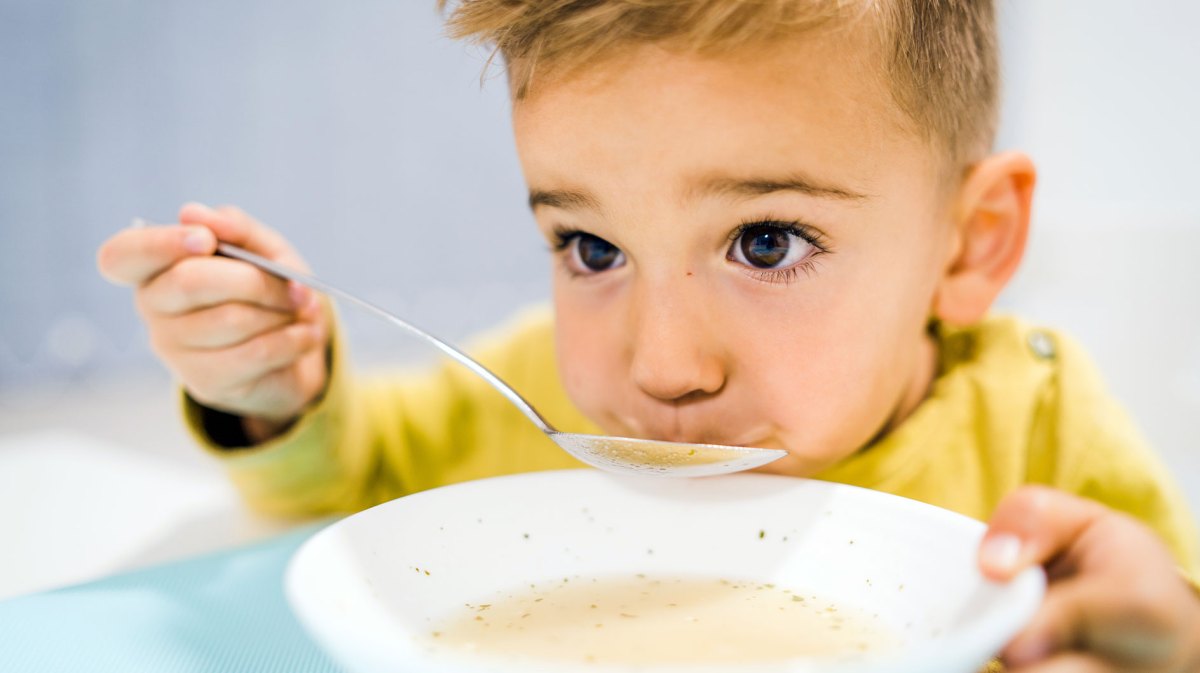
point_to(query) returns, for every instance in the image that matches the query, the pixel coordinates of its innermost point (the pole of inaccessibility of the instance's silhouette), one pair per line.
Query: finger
(282, 393)
(1122, 610)
(1070, 662)
(137, 254)
(1032, 526)
(221, 373)
(203, 282)
(232, 225)
(1118, 623)
(220, 326)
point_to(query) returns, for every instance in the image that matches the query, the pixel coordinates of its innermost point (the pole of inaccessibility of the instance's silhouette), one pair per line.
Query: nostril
(696, 396)
(679, 381)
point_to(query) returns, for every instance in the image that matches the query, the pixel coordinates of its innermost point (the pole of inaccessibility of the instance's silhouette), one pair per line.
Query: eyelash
(805, 232)
(563, 236)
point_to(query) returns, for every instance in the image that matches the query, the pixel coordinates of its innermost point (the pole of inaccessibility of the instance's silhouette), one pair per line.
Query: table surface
(76, 508)
(220, 612)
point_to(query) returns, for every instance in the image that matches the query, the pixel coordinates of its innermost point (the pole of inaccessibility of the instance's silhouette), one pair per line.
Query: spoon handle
(281, 271)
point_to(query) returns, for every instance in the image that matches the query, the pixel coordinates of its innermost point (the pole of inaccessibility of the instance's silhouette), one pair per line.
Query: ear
(991, 219)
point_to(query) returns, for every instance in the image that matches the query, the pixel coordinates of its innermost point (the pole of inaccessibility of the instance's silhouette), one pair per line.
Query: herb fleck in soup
(661, 620)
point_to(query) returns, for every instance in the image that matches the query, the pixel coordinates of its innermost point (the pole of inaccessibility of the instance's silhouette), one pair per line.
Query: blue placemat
(223, 612)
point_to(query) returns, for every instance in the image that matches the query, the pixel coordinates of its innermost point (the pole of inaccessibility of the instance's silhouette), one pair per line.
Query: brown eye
(594, 254)
(764, 247)
(770, 247)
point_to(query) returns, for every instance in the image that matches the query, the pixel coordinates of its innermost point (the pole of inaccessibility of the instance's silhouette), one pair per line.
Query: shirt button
(1041, 344)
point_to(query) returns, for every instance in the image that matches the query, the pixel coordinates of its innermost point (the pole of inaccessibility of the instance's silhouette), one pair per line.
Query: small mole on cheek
(689, 273)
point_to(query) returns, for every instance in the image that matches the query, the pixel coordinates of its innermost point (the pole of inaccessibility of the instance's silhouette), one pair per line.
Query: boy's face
(749, 245)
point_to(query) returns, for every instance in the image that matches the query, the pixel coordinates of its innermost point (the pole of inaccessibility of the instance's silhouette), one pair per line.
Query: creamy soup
(661, 620)
(658, 454)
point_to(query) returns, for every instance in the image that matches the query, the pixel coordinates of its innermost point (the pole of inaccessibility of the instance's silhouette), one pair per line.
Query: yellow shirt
(1011, 405)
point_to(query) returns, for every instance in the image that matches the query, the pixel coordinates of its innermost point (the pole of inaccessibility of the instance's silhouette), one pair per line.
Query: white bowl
(370, 587)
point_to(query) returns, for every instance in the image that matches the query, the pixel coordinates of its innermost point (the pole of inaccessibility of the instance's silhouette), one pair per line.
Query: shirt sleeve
(372, 439)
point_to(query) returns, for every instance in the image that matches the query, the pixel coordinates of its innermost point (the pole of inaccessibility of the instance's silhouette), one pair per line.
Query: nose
(675, 350)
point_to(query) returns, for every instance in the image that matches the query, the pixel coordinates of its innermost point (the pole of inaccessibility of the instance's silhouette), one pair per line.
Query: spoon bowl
(650, 456)
(613, 454)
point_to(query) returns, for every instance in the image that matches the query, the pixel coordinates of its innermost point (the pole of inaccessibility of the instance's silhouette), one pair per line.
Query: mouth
(699, 436)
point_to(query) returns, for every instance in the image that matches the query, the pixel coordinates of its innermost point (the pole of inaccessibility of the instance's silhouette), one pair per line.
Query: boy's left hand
(1116, 600)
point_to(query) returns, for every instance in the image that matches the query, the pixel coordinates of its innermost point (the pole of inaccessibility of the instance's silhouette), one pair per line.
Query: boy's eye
(769, 247)
(592, 254)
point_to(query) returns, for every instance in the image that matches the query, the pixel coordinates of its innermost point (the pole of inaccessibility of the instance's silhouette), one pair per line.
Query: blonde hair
(941, 64)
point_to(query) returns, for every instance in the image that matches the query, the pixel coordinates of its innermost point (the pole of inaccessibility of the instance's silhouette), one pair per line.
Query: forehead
(812, 103)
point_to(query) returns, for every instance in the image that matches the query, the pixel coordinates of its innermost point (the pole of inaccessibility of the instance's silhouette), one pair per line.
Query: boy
(776, 223)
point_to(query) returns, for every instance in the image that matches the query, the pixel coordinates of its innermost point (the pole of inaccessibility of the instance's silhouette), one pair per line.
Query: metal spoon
(614, 454)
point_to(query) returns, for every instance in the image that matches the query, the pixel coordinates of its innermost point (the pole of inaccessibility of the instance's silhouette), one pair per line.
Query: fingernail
(196, 241)
(1001, 552)
(310, 310)
(1027, 651)
(313, 307)
(318, 332)
(299, 295)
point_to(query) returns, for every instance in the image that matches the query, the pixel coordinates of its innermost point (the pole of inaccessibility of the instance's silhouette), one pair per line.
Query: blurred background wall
(355, 128)
(365, 136)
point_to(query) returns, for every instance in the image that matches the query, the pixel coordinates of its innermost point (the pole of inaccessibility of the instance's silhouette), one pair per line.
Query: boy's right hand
(240, 340)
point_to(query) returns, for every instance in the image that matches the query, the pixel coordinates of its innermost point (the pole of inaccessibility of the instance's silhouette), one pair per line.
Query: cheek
(588, 355)
(829, 389)
(832, 360)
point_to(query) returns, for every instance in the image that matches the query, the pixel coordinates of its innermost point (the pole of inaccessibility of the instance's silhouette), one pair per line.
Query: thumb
(135, 255)
(232, 225)
(1032, 526)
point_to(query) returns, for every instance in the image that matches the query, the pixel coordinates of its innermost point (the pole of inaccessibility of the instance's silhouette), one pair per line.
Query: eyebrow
(759, 186)
(569, 199)
(562, 198)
